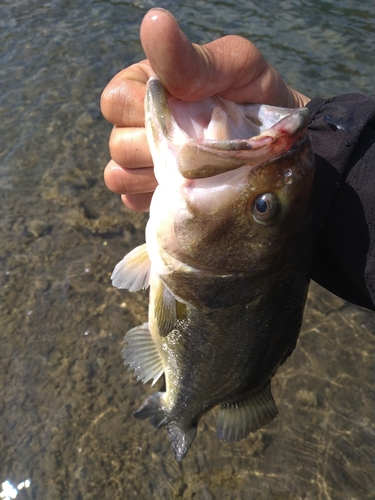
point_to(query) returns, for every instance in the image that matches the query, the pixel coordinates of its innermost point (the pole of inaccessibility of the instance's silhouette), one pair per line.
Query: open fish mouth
(213, 135)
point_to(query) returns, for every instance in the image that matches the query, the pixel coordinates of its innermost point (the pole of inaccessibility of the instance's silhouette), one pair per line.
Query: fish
(227, 254)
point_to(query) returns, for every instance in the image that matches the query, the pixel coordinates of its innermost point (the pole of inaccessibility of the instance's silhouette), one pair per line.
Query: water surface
(66, 400)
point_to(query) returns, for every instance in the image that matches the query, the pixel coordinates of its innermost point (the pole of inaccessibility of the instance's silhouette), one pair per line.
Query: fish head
(234, 182)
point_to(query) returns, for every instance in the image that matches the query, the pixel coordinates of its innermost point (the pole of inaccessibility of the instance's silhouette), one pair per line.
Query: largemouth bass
(227, 255)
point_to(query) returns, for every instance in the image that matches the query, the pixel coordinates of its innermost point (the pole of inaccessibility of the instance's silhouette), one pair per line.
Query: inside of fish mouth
(217, 120)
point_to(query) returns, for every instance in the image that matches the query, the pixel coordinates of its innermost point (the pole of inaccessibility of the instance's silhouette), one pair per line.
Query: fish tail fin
(155, 409)
(181, 439)
(236, 420)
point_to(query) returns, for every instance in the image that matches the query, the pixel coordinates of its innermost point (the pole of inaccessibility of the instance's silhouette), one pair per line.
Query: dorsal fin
(133, 271)
(236, 420)
(142, 354)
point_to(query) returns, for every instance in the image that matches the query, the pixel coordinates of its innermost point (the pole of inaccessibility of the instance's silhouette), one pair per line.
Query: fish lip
(287, 127)
(156, 98)
(293, 123)
(234, 144)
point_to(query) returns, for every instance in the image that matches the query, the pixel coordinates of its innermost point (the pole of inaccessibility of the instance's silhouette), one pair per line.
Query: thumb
(230, 66)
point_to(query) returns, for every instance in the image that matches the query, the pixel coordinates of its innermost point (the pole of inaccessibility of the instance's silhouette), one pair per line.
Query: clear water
(66, 400)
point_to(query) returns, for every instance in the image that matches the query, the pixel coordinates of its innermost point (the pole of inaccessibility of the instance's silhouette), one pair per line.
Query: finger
(128, 147)
(122, 101)
(138, 202)
(129, 181)
(227, 66)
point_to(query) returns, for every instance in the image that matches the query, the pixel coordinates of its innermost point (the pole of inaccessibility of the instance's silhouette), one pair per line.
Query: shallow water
(66, 400)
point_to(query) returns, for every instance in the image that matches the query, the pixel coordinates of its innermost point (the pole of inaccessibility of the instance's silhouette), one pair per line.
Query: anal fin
(236, 420)
(142, 354)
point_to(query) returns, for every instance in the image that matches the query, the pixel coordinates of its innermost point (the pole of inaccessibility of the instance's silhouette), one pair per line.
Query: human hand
(231, 67)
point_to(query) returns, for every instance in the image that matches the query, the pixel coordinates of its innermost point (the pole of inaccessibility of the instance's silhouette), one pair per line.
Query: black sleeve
(342, 133)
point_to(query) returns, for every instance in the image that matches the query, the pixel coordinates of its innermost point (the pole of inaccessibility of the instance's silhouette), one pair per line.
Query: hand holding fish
(231, 67)
(228, 240)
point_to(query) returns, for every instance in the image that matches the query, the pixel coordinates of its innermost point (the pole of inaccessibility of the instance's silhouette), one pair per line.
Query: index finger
(122, 101)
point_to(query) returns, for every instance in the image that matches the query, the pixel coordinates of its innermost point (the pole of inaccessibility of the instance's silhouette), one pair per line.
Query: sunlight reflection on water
(9, 491)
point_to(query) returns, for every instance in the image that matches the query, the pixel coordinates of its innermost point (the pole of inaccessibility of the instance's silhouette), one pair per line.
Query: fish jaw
(213, 135)
(208, 177)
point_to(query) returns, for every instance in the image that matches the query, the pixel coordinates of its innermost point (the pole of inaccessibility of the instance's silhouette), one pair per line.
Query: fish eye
(265, 208)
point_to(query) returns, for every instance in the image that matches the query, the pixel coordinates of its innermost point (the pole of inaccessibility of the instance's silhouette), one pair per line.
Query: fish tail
(154, 409)
(181, 436)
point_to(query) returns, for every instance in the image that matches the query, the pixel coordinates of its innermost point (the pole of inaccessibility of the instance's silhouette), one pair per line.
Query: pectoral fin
(165, 310)
(142, 355)
(236, 420)
(133, 271)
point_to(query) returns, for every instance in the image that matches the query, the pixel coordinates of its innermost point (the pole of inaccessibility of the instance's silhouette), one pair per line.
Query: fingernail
(154, 13)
